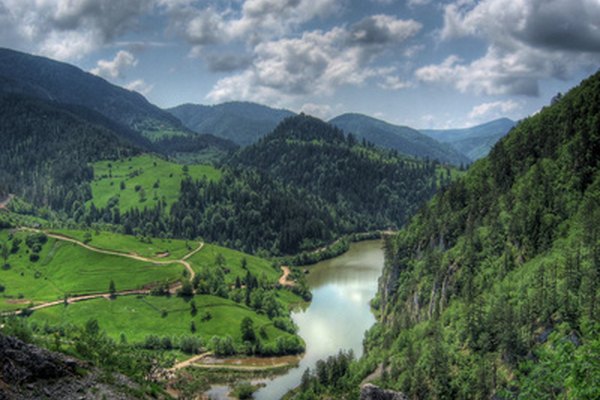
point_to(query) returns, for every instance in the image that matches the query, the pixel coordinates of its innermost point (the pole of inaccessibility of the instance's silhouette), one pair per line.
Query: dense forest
(305, 185)
(46, 150)
(493, 289)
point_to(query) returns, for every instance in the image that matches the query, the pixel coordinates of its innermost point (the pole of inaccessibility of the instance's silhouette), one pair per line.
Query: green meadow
(208, 258)
(127, 244)
(143, 181)
(65, 268)
(136, 317)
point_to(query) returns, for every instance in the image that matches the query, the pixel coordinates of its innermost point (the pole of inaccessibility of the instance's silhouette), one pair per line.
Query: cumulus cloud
(322, 111)
(256, 21)
(67, 29)
(115, 68)
(527, 40)
(317, 62)
(493, 109)
(140, 86)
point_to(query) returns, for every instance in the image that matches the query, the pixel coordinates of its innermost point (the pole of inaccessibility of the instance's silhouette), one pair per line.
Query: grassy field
(139, 316)
(233, 262)
(65, 268)
(157, 248)
(142, 181)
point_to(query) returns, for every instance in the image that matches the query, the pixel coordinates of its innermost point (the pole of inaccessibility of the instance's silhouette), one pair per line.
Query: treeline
(493, 289)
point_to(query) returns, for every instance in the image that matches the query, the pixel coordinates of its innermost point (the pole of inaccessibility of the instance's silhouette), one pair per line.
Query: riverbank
(332, 250)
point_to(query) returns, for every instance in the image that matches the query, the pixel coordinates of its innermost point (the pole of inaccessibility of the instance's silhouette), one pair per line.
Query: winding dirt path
(70, 300)
(189, 361)
(283, 280)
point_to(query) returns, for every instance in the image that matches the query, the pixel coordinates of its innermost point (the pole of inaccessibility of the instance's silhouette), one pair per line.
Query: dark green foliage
(46, 149)
(493, 288)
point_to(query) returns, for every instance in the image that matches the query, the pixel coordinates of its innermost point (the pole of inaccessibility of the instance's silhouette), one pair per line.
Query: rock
(372, 392)
(29, 372)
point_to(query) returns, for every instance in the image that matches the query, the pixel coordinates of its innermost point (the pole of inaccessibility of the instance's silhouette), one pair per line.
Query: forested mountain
(52, 80)
(241, 122)
(46, 148)
(303, 185)
(405, 140)
(492, 291)
(474, 142)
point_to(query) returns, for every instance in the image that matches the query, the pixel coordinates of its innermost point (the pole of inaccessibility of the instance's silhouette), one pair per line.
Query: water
(339, 313)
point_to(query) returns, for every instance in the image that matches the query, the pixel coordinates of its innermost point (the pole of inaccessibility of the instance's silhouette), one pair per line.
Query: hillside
(405, 140)
(241, 122)
(474, 142)
(355, 187)
(46, 149)
(492, 290)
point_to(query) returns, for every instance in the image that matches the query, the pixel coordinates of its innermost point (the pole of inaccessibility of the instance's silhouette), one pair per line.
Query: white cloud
(113, 69)
(318, 62)
(322, 111)
(139, 85)
(67, 29)
(527, 40)
(494, 109)
(391, 82)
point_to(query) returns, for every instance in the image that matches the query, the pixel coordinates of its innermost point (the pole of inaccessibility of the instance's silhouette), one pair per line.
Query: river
(339, 313)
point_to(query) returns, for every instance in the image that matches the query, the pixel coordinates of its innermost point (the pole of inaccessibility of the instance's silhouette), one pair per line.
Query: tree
(193, 309)
(247, 330)
(193, 327)
(112, 289)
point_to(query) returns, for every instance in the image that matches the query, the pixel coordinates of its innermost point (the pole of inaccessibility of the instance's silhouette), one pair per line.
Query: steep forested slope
(492, 291)
(401, 138)
(46, 149)
(241, 122)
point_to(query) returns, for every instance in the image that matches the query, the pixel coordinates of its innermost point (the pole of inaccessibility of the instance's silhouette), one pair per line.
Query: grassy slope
(65, 268)
(139, 317)
(109, 174)
(177, 249)
(233, 261)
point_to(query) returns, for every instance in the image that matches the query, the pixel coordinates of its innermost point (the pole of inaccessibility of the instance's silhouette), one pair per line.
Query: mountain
(46, 149)
(405, 140)
(241, 122)
(52, 80)
(492, 290)
(345, 186)
(474, 142)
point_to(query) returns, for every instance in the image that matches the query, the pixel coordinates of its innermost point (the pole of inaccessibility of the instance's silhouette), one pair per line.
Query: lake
(339, 313)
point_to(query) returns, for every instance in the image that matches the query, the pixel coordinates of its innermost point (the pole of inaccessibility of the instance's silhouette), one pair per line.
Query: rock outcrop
(29, 372)
(372, 392)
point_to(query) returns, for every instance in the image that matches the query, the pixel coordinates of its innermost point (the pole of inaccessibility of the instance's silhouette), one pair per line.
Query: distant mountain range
(241, 122)
(475, 142)
(244, 123)
(405, 140)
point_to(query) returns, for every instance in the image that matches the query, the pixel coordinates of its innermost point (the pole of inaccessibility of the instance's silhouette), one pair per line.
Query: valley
(248, 251)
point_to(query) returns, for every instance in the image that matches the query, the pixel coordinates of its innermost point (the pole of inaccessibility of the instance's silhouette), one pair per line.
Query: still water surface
(339, 313)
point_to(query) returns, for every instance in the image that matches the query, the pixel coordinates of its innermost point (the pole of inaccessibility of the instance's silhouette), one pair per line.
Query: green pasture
(139, 316)
(152, 248)
(147, 180)
(66, 268)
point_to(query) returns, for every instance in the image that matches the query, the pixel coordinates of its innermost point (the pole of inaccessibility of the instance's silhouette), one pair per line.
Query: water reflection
(339, 314)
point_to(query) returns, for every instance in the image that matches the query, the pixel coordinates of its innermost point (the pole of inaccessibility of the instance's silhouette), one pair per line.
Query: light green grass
(143, 171)
(233, 262)
(139, 316)
(177, 249)
(65, 268)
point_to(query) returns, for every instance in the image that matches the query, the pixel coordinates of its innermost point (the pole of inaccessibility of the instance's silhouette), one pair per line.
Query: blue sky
(422, 63)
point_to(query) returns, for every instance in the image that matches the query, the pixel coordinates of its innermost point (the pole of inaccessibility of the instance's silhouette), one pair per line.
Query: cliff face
(496, 259)
(29, 372)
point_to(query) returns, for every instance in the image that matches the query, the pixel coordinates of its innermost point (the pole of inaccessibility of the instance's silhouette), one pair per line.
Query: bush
(190, 344)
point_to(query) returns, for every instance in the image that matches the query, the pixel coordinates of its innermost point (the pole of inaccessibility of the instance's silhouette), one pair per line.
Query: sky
(421, 63)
